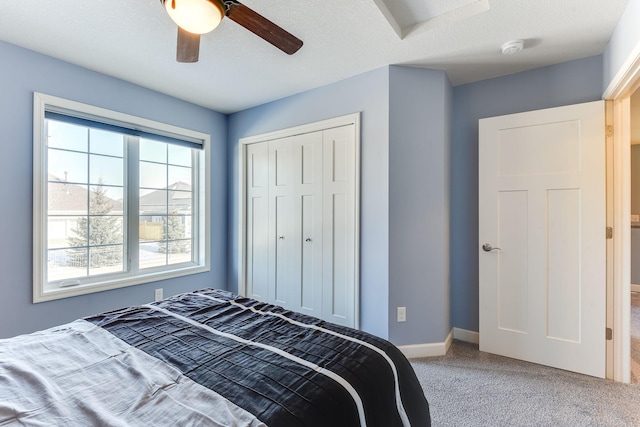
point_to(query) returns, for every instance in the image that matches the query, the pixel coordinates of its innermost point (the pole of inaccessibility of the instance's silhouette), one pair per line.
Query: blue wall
(635, 256)
(368, 93)
(406, 114)
(567, 83)
(635, 210)
(419, 121)
(23, 72)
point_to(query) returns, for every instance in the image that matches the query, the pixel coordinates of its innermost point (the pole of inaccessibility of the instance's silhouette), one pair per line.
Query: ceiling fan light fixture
(195, 16)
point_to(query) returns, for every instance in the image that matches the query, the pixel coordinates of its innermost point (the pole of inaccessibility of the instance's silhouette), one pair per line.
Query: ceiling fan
(196, 17)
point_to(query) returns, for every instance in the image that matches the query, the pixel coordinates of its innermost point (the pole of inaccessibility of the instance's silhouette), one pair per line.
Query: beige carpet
(471, 388)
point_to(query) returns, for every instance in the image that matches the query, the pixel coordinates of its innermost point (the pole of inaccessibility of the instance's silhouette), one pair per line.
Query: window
(118, 200)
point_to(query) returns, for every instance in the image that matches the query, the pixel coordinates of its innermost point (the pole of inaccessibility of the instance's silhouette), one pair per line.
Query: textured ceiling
(135, 41)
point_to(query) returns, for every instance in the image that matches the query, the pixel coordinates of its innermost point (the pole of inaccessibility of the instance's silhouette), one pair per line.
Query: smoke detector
(512, 47)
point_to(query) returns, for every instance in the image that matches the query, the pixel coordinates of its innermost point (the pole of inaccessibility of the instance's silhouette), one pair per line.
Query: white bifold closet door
(301, 223)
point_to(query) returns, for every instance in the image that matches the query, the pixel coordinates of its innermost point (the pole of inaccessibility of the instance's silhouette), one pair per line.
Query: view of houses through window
(165, 204)
(90, 202)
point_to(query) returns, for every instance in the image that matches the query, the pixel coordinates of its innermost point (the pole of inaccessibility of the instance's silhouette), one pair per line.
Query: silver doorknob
(488, 248)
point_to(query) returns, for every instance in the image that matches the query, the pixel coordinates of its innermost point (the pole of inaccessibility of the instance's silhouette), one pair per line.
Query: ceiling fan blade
(188, 46)
(262, 27)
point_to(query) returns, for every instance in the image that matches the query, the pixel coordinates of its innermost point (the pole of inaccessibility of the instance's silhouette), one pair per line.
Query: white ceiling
(135, 41)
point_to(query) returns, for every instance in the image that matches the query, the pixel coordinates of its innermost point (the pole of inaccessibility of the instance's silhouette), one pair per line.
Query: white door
(542, 203)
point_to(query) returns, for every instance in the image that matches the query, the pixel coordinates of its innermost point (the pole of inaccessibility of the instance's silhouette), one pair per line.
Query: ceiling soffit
(410, 17)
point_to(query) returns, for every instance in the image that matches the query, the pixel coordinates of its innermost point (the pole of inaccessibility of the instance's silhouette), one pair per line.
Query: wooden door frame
(617, 95)
(349, 119)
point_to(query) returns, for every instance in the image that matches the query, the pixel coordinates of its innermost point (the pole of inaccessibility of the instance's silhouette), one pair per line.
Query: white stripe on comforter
(399, 404)
(45, 381)
(337, 378)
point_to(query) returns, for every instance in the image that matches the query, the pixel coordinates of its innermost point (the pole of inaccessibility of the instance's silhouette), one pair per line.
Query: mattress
(206, 358)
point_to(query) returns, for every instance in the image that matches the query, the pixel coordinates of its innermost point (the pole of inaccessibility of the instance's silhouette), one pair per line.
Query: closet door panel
(257, 221)
(311, 250)
(339, 225)
(280, 162)
(259, 254)
(308, 195)
(281, 273)
(281, 258)
(310, 153)
(339, 282)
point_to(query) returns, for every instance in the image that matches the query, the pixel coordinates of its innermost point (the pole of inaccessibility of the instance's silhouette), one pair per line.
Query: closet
(301, 222)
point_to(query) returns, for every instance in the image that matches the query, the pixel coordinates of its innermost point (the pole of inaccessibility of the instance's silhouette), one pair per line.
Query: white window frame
(202, 263)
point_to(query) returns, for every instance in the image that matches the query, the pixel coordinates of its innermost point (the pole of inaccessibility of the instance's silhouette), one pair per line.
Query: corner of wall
(419, 137)
(416, 351)
(624, 40)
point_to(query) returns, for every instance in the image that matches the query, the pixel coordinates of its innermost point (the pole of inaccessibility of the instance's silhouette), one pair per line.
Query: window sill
(83, 289)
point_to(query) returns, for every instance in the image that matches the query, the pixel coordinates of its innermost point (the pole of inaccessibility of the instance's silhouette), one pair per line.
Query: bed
(206, 358)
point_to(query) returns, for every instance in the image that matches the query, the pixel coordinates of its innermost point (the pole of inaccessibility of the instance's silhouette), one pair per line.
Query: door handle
(308, 239)
(488, 248)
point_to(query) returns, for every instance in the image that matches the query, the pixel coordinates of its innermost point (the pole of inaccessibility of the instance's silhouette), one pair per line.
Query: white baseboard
(635, 288)
(467, 336)
(415, 351)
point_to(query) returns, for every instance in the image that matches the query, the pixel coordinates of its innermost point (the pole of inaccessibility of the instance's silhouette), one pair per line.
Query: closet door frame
(350, 119)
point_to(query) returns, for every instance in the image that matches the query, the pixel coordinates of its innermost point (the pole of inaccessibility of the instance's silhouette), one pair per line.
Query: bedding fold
(82, 375)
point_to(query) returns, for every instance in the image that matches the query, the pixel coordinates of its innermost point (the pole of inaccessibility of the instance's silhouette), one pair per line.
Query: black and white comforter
(207, 358)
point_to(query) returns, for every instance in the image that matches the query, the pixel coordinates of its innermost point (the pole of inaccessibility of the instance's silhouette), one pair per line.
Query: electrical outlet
(402, 314)
(635, 218)
(157, 294)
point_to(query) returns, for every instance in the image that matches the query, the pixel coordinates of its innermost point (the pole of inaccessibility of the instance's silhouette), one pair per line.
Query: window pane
(67, 166)
(153, 151)
(67, 199)
(150, 230)
(180, 177)
(104, 230)
(179, 251)
(179, 202)
(179, 155)
(175, 227)
(187, 219)
(179, 248)
(60, 230)
(153, 175)
(104, 142)
(107, 200)
(106, 170)
(66, 136)
(106, 259)
(102, 203)
(153, 203)
(152, 254)
(66, 264)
